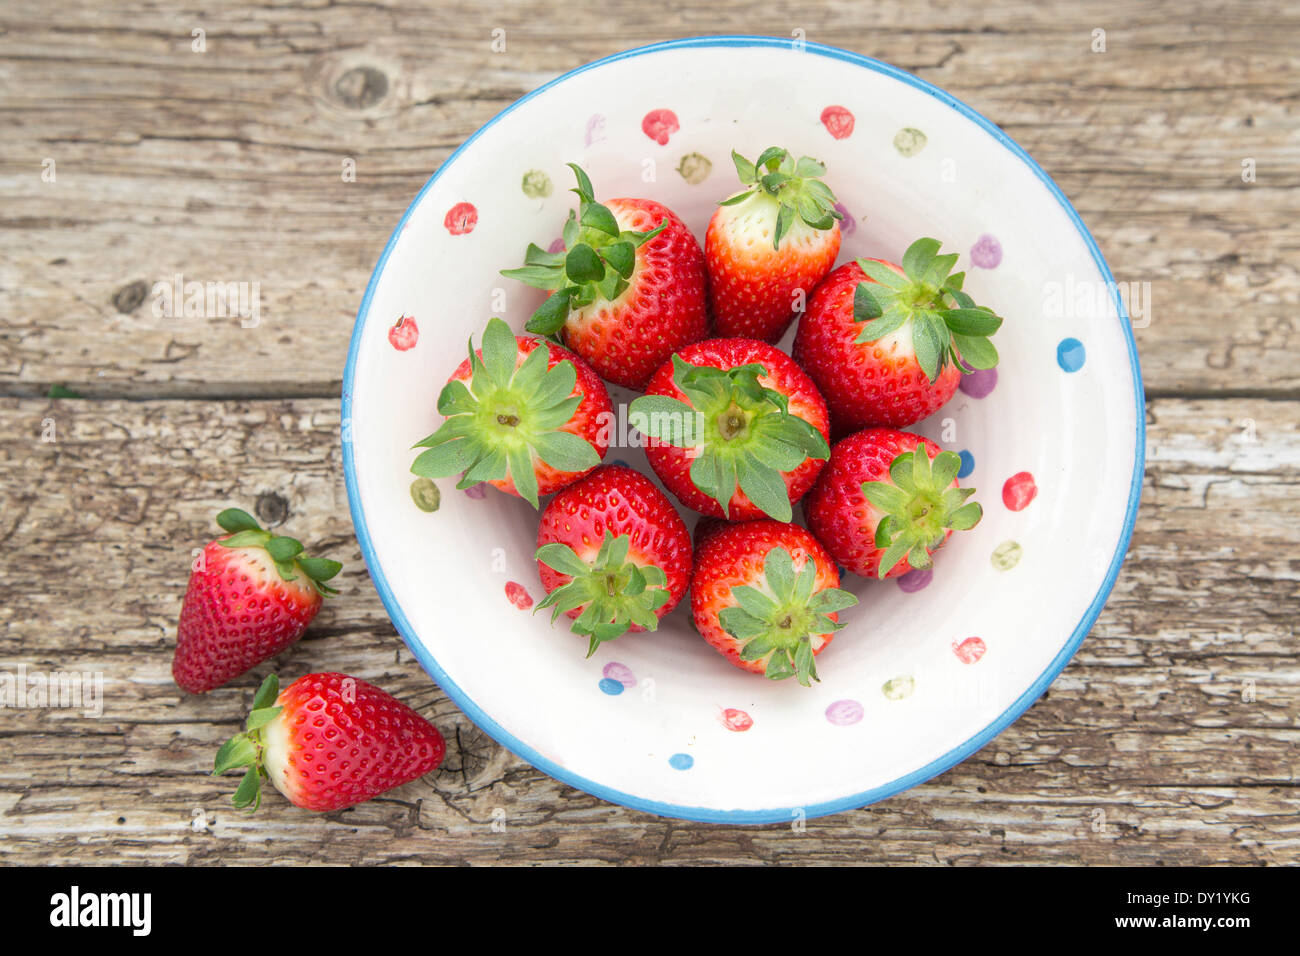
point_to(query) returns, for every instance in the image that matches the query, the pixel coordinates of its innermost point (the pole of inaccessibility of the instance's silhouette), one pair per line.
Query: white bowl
(919, 678)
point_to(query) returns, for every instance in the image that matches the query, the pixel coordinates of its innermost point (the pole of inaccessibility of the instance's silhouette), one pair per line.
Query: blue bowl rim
(776, 814)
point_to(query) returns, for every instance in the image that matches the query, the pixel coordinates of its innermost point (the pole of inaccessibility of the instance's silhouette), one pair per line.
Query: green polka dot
(425, 494)
(536, 184)
(695, 168)
(1006, 555)
(899, 687)
(909, 141)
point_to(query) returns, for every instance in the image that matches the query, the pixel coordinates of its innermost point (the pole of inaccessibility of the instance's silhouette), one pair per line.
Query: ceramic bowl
(931, 666)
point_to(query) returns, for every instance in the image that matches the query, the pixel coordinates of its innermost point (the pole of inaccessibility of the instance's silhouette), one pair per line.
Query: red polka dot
(404, 334)
(461, 219)
(736, 720)
(969, 650)
(659, 125)
(838, 121)
(1018, 491)
(518, 595)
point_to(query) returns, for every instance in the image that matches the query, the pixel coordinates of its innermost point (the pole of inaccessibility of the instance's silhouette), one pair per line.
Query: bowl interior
(929, 667)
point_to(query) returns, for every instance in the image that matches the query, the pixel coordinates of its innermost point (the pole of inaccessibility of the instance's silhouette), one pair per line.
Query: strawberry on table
(765, 594)
(328, 741)
(768, 245)
(627, 290)
(881, 508)
(524, 415)
(251, 595)
(887, 344)
(736, 429)
(613, 554)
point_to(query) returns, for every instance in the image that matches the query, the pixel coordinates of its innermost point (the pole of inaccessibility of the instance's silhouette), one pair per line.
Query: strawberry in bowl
(887, 344)
(524, 415)
(627, 290)
(765, 594)
(886, 501)
(768, 245)
(613, 555)
(736, 429)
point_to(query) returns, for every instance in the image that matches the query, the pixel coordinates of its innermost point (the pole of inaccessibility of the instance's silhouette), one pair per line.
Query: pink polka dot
(986, 253)
(404, 334)
(461, 219)
(557, 245)
(619, 672)
(838, 121)
(842, 713)
(969, 650)
(1018, 491)
(476, 491)
(848, 225)
(518, 595)
(736, 720)
(659, 125)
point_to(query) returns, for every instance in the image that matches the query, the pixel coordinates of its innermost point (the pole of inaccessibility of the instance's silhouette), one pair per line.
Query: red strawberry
(765, 594)
(887, 344)
(328, 741)
(768, 245)
(881, 509)
(524, 415)
(613, 554)
(251, 595)
(628, 289)
(737, 429)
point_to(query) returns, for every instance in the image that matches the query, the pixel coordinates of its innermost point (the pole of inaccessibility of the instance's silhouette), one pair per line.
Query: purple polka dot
(842, 713)
(619, 672)
(557, 245)
(476, 491)
(848, 225)
(979, 383)
(914, 580)
(595, 129)
(986, 253)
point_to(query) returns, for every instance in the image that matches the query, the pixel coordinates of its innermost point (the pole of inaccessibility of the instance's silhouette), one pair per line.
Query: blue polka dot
(1070, 355)
(967, 464)
(611, 686)
(681, 761)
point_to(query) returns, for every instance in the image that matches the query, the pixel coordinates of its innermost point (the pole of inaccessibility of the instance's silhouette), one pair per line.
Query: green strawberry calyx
(739, 433)
(248, 749)
(597, 261)
(286, 553)
(920, 506)
(613, 591)
(782, 618)
(946, 324)
(507, 418)
(794, 186)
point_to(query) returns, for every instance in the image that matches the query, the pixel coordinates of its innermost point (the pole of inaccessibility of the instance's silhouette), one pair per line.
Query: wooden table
(130, 156)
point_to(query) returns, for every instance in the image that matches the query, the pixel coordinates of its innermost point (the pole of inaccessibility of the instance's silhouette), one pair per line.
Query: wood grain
(1171, 737)
(225, 165)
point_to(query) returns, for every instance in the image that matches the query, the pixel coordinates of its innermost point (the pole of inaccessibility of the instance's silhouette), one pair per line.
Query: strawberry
(887, 344)
(613, 554)
(524, 415)
(737, 429)
(251, 595)
(768, 245)
(881, 509)
(627, 291)
(765, 594)
(328, 741)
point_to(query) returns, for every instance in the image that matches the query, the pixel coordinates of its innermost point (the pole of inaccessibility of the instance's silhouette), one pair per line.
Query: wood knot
(128, 298)
(361, 87)
(271, 509)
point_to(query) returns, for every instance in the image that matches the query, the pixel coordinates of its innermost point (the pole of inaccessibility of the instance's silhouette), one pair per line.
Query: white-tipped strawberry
(769, 244)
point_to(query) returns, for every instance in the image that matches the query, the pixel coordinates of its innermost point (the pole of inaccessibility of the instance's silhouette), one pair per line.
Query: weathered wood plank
(1171, 738)
(226, 164)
